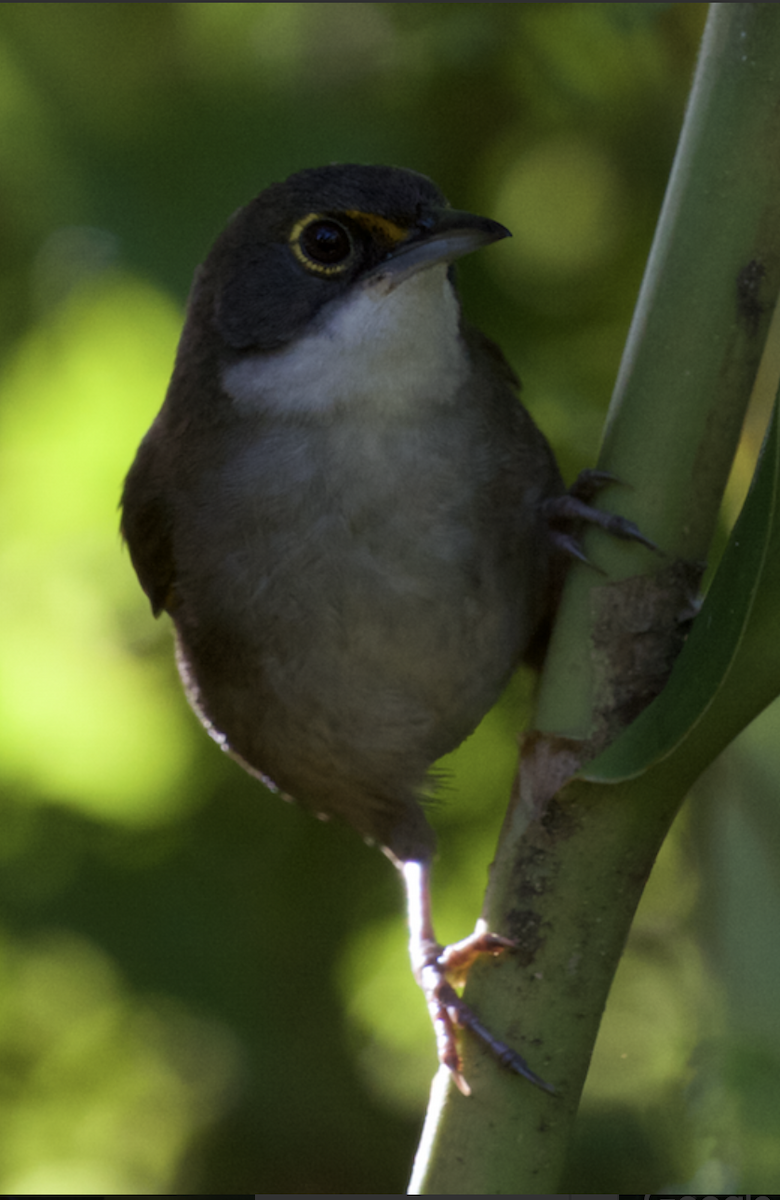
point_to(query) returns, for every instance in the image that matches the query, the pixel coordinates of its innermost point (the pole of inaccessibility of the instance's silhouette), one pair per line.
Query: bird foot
(449, 1013)
(439, 969)
(576, 505)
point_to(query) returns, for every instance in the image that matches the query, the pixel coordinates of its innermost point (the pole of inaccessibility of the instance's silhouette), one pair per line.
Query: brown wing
(147, 527)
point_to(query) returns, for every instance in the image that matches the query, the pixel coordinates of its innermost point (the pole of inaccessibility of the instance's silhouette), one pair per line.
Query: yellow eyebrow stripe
(379, 227)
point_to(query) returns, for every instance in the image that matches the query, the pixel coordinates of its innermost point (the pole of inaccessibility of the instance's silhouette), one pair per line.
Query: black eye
(326, 242)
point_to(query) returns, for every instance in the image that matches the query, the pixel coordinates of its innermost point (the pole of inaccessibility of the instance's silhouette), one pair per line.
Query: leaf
(746, 585)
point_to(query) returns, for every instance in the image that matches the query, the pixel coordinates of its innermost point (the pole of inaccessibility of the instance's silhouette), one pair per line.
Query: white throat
(384, 350)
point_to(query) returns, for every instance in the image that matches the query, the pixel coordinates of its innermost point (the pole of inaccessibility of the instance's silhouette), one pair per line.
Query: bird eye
(326, 242)
(322, 245)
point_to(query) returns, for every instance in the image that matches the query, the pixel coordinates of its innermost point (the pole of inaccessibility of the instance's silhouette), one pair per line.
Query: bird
(354, 524)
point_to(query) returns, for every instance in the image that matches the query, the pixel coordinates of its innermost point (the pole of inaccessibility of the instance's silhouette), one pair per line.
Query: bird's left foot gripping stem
(435, 966)
(575, 507)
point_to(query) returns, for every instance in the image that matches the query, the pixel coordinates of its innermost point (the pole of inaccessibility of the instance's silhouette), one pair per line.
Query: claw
(568, 543)
(590, 482)
(457, 958)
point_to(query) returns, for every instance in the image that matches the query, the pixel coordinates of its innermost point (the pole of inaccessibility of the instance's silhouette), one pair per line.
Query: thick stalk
(571, 866)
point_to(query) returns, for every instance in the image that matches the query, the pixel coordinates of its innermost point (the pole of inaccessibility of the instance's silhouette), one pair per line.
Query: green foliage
(732, 641)
(184, 957)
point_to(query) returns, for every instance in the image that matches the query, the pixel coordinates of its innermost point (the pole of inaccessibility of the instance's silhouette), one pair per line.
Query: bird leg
(437, 967)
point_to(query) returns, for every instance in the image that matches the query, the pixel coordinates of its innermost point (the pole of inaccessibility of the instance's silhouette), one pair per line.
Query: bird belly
(361, 619)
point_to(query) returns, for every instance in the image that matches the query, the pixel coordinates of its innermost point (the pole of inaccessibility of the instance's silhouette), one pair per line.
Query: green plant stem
(574, 855)
(695, 342)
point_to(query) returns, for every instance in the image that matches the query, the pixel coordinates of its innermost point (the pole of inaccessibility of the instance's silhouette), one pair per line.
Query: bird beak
(448, 235)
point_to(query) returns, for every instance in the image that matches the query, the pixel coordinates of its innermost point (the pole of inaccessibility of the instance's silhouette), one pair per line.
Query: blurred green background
(202, 989)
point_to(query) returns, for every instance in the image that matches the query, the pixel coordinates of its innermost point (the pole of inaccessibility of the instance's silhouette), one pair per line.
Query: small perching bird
(351, 519)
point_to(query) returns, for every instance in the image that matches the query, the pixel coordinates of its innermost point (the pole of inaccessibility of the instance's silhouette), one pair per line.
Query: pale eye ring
(322, 244)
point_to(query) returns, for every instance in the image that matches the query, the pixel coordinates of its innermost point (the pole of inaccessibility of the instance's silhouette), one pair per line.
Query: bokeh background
(202, 989)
